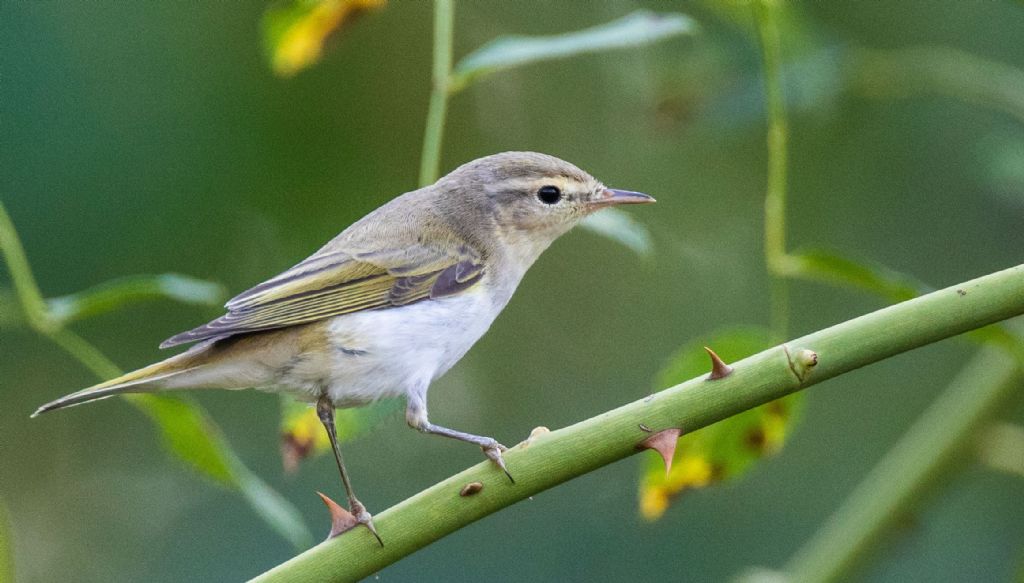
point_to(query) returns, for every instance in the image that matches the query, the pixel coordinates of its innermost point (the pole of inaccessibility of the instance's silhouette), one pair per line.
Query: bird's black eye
(549, 194)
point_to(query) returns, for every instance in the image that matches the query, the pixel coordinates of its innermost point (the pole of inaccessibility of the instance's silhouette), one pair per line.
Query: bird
(390, 304)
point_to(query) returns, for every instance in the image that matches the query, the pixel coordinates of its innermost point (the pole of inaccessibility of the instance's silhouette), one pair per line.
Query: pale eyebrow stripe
(529, 183)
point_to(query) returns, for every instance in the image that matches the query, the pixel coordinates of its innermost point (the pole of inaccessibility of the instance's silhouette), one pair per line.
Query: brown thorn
(341, 520)
(719, 370)
(663, 442)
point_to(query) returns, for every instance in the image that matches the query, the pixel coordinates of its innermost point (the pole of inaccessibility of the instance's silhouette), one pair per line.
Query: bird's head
(529, 199)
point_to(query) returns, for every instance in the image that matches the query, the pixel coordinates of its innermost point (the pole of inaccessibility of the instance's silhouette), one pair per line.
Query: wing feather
(333, 282)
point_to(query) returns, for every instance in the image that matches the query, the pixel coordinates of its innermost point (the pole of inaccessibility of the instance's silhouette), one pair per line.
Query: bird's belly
(387, 353)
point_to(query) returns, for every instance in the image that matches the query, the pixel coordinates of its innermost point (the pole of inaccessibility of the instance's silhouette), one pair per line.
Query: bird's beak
(611, 197)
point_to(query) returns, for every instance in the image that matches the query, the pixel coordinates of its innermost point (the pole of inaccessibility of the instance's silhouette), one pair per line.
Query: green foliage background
(152, 138)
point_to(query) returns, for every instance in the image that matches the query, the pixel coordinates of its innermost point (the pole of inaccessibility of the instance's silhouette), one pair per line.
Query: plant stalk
(430, 162)
(766, 16)
(581, 448)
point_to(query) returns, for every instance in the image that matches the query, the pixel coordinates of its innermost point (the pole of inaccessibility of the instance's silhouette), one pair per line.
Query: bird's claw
(493, 452)
(364, 518)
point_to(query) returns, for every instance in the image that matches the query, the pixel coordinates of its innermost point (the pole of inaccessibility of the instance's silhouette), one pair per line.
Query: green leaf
(727, 449)
(187, 433)
(123, 291)
(192, 437)
(302, 434)
(831, 267)
(639, 28)
(294, 31)
(621, 227)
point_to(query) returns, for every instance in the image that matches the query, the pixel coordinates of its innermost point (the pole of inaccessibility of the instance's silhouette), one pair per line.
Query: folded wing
(333, 282)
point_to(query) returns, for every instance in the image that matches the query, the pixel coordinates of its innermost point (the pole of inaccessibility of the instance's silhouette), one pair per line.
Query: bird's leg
(325, 410)
(416, 417)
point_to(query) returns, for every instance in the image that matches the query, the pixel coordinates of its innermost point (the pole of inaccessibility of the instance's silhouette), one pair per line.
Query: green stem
(586, 446)
(430, 163)
(21, 275)
(766, 15)
(85, 353)
(6, 546)
(930, 446)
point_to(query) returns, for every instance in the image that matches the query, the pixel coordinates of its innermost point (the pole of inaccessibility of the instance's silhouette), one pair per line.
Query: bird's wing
(336, 281)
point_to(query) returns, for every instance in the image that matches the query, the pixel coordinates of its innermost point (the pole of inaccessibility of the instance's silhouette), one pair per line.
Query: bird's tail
(155, 377)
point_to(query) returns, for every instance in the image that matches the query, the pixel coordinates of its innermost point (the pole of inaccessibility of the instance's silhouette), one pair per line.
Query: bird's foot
(363, 517)
(492, 449)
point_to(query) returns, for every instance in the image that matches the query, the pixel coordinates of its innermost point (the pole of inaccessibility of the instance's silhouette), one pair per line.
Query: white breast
(391, 352)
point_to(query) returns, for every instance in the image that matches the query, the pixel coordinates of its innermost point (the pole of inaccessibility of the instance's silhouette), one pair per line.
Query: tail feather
(145, 380)
(237, 363)
(109, 389)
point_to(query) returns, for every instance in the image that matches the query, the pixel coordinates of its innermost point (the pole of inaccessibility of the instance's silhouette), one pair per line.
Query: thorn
(807, 358)
(470, 489)
(537, 432)
(801, 362)
(719, 370)
(664, 442)
(341, 520)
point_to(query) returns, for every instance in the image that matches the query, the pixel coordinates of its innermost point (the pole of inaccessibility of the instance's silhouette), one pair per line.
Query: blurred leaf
(294, 31)
(621, 227)
(302, 434)
(727, 449)
(6, 546)
(120, 292)
(937, 70)
(833, 268)
(1001, 448)
(635, 29)
(187, 433)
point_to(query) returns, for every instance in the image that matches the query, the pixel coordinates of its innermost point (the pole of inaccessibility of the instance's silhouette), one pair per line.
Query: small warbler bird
(391, 303)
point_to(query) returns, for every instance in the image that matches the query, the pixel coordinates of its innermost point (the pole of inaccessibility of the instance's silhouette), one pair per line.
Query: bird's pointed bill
(612, 196)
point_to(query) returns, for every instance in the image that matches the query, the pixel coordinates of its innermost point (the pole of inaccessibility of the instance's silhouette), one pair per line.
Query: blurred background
(153, 137)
